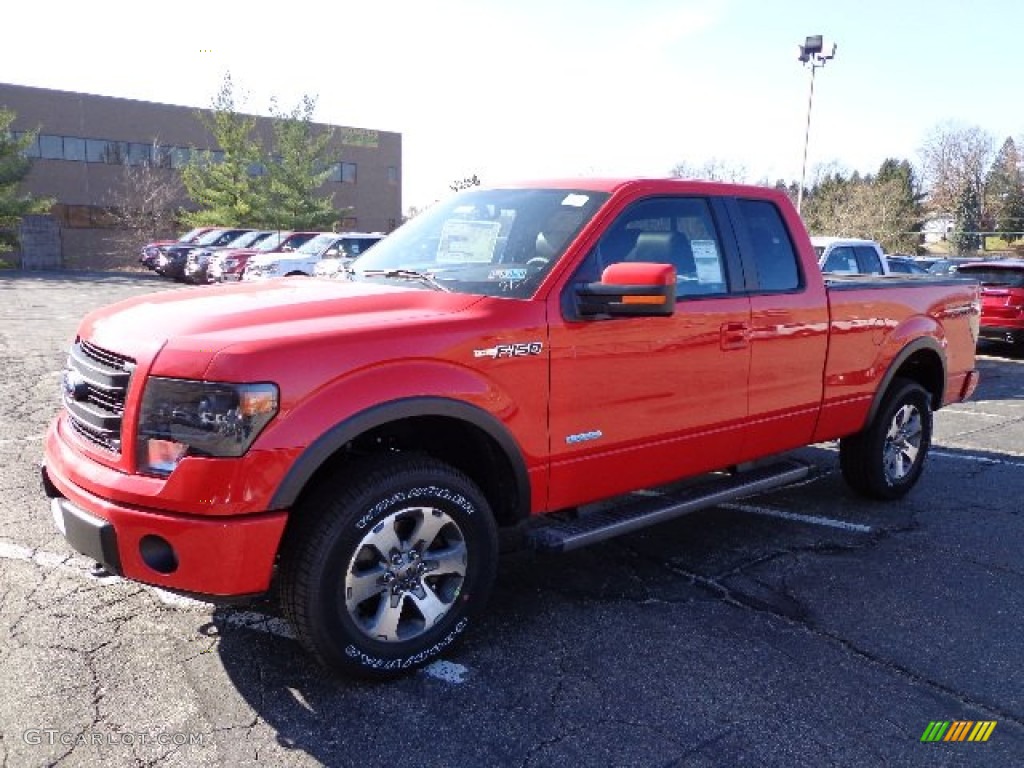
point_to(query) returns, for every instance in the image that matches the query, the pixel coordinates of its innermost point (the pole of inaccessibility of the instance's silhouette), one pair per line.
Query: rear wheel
(387, 565)
(886, 459)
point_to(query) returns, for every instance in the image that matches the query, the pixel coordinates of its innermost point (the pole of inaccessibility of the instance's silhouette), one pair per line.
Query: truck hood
(200, 322)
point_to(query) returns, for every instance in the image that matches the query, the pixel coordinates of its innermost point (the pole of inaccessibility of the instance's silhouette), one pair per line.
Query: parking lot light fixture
(814, 52)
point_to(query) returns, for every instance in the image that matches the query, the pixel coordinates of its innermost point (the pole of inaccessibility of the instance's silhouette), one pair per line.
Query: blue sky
(525, 89)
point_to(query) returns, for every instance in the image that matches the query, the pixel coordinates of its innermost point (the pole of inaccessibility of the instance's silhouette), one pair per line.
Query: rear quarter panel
(873, 321)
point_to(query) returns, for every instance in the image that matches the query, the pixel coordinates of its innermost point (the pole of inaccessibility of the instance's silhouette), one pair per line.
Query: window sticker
(709, 265)
(575, 200)
(468, 242)
(508, 273)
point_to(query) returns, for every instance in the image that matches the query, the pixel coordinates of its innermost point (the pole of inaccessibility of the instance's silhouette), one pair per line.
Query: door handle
(734, 336)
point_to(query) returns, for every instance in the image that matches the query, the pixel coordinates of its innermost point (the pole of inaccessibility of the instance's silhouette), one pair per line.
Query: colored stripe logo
(958, 730)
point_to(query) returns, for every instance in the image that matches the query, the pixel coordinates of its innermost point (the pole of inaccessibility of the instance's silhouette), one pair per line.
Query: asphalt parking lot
(803, 627)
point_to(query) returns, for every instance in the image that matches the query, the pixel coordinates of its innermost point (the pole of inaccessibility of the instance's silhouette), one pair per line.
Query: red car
(228, 265)
(1002, 298)
(150, 252)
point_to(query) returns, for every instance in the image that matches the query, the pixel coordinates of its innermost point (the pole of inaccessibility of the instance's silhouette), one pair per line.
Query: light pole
(815, 51)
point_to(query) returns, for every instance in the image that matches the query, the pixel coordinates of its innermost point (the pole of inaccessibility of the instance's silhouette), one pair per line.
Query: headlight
(182, 418)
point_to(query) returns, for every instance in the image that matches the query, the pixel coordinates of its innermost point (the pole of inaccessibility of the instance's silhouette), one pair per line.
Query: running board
(561, 532)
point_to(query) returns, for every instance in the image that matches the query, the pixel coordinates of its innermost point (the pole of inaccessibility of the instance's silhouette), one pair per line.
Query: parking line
(978, 459)
(827, 522)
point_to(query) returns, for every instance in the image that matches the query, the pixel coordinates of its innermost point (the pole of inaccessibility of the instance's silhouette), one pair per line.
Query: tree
(14, 167)
(714, 169)
(965, 238)
(144, 206)
(954, 157)
(460, 184)
(297, 169)
(885, 207)
(1004, 192)
(221, 185)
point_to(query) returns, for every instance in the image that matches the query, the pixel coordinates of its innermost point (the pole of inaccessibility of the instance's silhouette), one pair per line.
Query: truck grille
(95, 385)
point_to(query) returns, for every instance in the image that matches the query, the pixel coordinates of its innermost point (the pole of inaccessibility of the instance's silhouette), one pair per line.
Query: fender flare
(314, 456)
(917, 345)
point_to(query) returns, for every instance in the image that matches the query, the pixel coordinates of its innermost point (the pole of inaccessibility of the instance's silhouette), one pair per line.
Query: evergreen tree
(14, 167)
(297, 170)
(221, 185)
(965, 238)
(898, 206)
(1004, 192)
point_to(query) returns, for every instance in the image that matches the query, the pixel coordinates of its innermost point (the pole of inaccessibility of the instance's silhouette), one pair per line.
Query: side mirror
(630, 289)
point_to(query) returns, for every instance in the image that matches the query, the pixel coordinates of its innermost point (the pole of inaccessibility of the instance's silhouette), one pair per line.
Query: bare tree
(144, 206)
(954, 156)
(714, 169)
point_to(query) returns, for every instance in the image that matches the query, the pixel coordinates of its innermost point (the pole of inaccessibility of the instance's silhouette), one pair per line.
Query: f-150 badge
(522, 349)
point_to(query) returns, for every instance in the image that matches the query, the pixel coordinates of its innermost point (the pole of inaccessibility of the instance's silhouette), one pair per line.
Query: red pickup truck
(504, 360)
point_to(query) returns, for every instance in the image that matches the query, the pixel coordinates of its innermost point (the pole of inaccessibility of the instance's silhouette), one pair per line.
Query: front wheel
(387, 564)
(886, 459)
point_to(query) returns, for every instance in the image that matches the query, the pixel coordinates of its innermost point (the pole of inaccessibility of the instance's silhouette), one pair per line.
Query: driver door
(640, 401)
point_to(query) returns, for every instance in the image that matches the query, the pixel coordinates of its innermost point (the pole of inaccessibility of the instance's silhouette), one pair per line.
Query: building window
(257, 169)
(349, 224)
(348, 173)
(32, 150)
(51, 147)
(180, 157)
(162, 156)
(95, 151)
(139, 154)
(74, 149)
(392, 175)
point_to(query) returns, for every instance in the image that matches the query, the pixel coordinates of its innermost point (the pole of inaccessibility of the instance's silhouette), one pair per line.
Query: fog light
(158, 554)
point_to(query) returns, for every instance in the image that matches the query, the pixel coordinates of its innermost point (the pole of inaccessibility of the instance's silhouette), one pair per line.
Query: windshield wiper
(406, 274)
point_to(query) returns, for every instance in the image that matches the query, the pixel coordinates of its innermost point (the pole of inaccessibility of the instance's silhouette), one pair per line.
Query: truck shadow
(702, 569)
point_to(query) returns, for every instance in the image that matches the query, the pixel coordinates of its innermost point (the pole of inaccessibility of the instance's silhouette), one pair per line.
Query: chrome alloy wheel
(406, 574)
(902, 443)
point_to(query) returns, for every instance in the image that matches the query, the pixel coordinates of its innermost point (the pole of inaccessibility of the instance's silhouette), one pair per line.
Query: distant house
(938, 228)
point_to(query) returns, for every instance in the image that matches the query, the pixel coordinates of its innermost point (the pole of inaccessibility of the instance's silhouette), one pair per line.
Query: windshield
(210, 237)
(272, 241)
(191, 235)
(996, 276)
(247, 239)
(497, 242)
(317, 245)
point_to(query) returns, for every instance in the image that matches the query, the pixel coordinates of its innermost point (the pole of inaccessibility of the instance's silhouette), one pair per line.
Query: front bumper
(218, 556)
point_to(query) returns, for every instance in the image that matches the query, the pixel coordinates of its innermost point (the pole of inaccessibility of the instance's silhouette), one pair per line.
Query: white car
(330, 246)
(850, 256)
(352, 245)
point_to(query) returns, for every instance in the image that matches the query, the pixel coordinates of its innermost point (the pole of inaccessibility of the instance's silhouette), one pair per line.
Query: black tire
(886, 460)
(364, 614)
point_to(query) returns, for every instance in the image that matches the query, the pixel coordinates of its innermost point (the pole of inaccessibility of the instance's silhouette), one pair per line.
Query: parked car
(850, 256)
(198, 259)
(150, 252)
(229, 264)
(905, 265)
(302, 261)
(171, 262)
(949, 266)
(1002, 298)
(352, 246)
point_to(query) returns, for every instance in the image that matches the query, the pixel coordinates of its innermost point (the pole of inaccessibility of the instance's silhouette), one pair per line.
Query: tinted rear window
(995, 276)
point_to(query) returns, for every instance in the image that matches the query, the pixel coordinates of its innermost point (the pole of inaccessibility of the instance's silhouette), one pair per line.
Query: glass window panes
(74, 148)
(51, 147)
(774, 256)
(139, 154)
(348, 173)
(96, 150)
